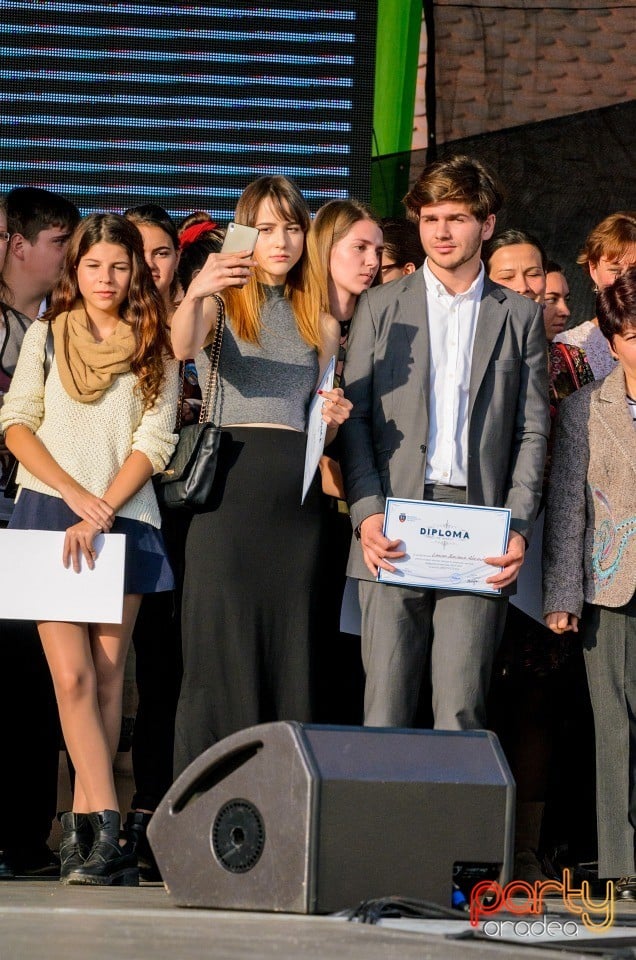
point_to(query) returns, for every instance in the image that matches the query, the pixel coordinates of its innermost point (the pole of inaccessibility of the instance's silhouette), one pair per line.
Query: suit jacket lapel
(412, 314)
(489, 323)
(612, 409)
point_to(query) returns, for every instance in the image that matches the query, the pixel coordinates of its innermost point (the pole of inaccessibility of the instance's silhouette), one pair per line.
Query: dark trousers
(158, 666)
(31, 740)
(338, 672)
(403, 626)
(609, 648)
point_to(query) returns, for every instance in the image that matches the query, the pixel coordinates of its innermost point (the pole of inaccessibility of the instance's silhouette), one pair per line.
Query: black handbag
(187, 480)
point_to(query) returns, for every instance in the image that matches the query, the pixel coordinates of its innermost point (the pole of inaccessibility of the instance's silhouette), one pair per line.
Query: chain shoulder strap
(177, 426)
(211, 382)
(215, 353)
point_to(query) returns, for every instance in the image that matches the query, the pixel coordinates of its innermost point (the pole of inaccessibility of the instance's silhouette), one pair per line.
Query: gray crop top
(270, 382)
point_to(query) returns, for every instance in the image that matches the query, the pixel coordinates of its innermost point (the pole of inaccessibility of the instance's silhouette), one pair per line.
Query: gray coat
(589, 541)
(383, 444)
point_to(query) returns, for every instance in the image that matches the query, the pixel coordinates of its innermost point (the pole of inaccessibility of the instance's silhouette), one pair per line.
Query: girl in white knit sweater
(89, 438)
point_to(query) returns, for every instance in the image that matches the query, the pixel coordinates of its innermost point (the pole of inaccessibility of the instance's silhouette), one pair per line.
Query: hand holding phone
(231, 267)
(239, 238)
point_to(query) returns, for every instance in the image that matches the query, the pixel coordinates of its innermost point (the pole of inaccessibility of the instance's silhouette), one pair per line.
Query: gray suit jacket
(589, 541)
(386, 376)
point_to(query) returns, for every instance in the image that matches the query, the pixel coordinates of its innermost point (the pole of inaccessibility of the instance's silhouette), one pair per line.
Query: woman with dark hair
(161, 249)
(197, 242)
(10, 343)
(403, 252)
(529, 677)
(590, 568)
(89, 438)
(517, 260)
(252, 554)
(194, 219)
(157, 633)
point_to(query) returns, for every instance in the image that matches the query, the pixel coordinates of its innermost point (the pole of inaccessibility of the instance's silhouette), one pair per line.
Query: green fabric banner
(397, 49)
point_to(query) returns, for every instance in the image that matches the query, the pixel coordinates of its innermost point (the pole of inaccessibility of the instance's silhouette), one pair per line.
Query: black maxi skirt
(250, 592)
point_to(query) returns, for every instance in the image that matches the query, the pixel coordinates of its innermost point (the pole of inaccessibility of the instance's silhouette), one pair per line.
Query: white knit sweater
(91, 441)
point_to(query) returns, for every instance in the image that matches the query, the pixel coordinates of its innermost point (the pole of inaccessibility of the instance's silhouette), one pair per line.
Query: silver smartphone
(238, 237)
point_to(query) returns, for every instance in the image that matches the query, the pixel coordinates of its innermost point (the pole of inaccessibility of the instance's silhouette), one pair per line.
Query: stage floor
(43, 919)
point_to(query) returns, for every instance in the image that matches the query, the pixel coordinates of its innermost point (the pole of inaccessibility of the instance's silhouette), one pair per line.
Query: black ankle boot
(76, 842)
(108, 863)
(135, 830)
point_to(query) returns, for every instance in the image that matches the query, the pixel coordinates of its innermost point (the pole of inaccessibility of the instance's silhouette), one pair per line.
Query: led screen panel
(114, 104)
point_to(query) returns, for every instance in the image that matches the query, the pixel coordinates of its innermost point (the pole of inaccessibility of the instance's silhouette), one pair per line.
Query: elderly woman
(590, 568)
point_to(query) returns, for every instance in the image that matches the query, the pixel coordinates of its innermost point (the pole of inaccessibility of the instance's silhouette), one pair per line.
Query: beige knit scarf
(88, 367)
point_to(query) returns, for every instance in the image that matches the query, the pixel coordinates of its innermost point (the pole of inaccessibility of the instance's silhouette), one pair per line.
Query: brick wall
(503, 63)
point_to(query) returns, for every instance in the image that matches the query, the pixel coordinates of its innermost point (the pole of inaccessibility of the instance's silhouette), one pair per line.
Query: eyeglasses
(4, 236)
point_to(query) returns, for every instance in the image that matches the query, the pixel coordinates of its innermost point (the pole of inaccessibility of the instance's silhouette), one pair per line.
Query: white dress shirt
(452, 322)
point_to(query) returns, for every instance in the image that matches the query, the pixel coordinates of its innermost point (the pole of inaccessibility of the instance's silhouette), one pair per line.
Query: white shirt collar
(434, 285)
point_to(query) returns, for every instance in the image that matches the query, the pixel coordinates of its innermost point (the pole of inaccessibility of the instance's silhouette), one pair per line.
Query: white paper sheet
(316, 428)
(529, 595)
(35, 585)
(350, 615)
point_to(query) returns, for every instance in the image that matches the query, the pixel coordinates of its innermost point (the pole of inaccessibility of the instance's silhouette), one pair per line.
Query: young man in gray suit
(448, 377)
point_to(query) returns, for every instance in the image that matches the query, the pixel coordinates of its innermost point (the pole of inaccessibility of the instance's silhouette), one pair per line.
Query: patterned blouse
(345, 326)
(589, 338)
(569, 370)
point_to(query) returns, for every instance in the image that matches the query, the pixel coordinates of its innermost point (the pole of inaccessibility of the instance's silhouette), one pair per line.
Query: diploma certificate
(316, 429)
(445, 544)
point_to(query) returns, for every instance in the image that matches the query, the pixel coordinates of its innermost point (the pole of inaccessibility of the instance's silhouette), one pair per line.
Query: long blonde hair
(244, 304)
(332, 222)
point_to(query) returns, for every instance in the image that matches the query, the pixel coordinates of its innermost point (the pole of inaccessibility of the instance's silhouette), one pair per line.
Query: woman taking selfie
(88, 438)
(252, 552)
(157, 633)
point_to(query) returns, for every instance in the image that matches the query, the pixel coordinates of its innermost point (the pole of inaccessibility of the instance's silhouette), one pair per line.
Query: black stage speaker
(314, 819)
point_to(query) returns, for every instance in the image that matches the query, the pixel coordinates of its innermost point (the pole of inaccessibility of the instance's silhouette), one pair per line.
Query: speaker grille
(238, 836)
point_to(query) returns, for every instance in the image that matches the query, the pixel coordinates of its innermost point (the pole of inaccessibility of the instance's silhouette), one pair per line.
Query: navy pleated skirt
(147, 569)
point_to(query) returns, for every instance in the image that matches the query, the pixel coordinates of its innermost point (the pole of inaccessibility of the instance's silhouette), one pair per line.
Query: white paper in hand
(35, 584)
(316, 428)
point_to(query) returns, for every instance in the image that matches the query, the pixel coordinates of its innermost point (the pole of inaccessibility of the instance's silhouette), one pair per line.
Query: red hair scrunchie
(196, 230)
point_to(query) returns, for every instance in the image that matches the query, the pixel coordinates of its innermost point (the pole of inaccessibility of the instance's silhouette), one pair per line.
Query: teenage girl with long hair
(252, 556)
(162, 250)
(89, 438)
(157, 633)
(345, 245)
